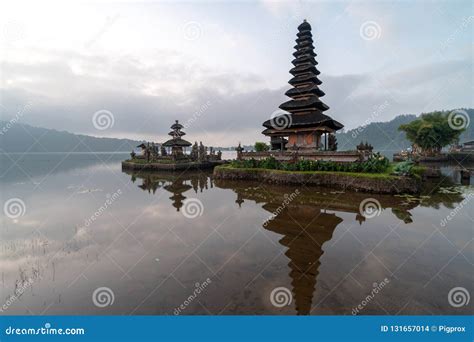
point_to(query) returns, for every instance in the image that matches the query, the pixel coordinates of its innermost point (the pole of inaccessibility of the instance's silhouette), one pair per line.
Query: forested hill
(18, 137)
(385, 136)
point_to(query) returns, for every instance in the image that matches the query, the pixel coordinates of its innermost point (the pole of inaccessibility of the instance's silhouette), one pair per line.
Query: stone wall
(362, 182)
(286, 156)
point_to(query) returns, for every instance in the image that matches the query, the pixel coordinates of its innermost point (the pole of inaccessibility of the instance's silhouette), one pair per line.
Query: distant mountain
(385, 136)
(18, 137)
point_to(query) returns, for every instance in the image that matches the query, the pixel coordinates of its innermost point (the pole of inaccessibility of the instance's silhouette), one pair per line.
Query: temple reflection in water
(305, 224)
(175, 183)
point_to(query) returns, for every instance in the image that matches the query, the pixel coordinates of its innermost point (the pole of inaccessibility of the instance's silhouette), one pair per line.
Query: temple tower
(305, 124)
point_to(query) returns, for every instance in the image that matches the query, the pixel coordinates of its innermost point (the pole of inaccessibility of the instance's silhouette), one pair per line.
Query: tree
(261, 147)
(431, 132)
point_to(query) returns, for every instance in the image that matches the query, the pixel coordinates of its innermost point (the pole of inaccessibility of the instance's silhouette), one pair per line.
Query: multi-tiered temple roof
(305, 107)
(176, 133)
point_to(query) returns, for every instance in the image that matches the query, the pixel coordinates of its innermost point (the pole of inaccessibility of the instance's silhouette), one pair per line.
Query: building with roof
(305, 126)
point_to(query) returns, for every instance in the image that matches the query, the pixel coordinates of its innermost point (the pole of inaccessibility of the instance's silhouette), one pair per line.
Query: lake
(79, 236)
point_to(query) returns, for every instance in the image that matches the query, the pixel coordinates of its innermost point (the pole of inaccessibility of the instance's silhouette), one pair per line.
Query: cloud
(67, 88)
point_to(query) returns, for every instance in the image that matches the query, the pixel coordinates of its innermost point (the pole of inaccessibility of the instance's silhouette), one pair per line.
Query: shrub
(376, 164)
(261, 147)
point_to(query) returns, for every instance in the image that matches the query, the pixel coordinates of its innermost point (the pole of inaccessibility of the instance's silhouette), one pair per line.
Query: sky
(131, 68)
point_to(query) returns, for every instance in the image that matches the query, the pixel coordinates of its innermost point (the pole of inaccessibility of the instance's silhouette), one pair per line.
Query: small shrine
(176, 144)
(173, 154)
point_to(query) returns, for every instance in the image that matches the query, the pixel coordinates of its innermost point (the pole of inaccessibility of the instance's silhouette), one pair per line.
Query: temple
(305, 127)
(172, 155)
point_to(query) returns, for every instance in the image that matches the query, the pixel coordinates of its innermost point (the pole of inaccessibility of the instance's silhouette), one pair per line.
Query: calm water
(247, 238)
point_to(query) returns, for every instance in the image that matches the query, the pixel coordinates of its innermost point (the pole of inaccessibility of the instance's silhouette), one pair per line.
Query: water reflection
(175, 183)
(305, 223)
(249, 240)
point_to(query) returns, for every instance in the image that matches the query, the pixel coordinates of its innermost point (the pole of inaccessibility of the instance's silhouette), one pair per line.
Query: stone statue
(202, 152)
(195, 152)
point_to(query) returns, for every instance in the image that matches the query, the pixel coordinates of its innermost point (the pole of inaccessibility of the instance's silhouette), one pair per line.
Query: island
(303, 145)
(172, 155)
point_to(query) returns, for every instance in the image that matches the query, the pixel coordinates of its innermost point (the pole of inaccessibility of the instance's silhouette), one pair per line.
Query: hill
(385, 136)
(18, 137)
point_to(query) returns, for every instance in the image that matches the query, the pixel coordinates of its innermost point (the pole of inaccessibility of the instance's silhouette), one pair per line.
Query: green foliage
(261, 146)
(408, 168)
(376, 164)
(431, 131)
(403, 168)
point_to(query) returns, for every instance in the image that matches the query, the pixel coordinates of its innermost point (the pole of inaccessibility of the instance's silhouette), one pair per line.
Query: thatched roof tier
(304, 33)
(304, 26)
(176, 133)
(304, 45)
(304, 52)
(304, 91)
(304, 39)
(305, 79)
(177, 125)
(301, 105)
(178, 142)
(304, 60)
(311, 120)
(304, 68)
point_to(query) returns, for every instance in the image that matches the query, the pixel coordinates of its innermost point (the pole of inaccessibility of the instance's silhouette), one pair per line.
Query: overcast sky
(222, 67)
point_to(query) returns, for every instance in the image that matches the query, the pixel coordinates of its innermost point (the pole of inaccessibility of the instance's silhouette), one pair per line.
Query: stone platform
(141, 165)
